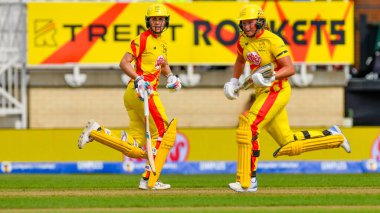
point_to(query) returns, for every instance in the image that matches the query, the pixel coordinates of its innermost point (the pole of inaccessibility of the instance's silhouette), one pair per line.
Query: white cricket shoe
(335, 130)
(237, 186)
(85, 135)
(158, 186)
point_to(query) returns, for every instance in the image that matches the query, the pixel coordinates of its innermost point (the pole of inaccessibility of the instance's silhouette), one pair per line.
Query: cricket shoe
(157, 186)
(335, 130)
(85, 135)
(237, 186)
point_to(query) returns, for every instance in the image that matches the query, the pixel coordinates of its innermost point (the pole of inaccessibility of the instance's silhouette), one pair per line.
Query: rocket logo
(44, 31)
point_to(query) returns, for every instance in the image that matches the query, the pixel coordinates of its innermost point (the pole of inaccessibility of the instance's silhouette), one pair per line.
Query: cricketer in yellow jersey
(259, 46)
(149, 52)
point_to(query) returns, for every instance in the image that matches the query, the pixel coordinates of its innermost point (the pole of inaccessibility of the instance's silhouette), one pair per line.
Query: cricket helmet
(157, 10)
(252, 11)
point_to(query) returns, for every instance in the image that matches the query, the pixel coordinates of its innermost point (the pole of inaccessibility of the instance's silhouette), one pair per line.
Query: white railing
(13, 77)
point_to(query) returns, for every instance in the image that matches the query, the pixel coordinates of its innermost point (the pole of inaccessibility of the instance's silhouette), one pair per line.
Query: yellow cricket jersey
(262, 49)
(150, 52)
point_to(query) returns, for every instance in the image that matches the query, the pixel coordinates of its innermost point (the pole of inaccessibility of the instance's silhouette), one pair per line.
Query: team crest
(164, 49)
(254, 58)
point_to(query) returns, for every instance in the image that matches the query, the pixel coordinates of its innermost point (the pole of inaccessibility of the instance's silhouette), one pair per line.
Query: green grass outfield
(189, 193)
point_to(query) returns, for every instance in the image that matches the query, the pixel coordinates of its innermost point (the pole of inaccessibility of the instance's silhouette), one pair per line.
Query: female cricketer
(259, 46)
(149, 52)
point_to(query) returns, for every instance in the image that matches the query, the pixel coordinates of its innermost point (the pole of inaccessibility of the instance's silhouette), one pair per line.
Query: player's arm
(231, 87)
(165, 70)
(281, 53)
(173, 82)
(126, 66)
(285, 67)
(238, 66)
(139, 83)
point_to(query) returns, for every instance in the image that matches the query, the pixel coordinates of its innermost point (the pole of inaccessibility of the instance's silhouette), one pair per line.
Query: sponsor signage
(192, 167)
(199, 32)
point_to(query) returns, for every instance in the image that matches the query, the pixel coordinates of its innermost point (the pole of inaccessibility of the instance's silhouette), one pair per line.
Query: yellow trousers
(158, 121)
(268, 112)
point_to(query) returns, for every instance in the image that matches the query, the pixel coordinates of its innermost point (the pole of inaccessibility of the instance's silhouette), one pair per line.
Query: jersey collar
(154, 35)
(259, 35)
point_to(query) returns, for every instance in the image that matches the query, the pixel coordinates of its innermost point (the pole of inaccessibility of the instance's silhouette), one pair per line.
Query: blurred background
(59, 68)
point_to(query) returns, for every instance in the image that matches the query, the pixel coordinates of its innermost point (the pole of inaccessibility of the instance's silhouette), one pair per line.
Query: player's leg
(93, 131)
(303, 141)
(269, 102)
(335, 130)
(135, 108)
(261, 112)
(244, 161)
(163, 138)
(163, 151)
(279, 128)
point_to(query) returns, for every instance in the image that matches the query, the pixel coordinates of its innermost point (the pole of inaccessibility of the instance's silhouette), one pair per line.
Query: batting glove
(173, 83)
(230, 87)
(141, 86)
(260, 81)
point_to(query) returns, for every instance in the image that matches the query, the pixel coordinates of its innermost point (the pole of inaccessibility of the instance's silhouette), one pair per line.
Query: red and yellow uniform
(150, 52)
(268, 110)
(258, 51)
(262, 49)
(259, 47)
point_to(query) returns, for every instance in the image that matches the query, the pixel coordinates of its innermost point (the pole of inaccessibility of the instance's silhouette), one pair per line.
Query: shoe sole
(345, 144)
(160, 188)
(167, 186)
(145, 187)
(154, 188)
(81, 142)
(242, 190)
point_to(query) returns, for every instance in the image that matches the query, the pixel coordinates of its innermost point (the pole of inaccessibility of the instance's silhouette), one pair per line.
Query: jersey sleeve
(239, 46)
(134, 47)
(278, 48)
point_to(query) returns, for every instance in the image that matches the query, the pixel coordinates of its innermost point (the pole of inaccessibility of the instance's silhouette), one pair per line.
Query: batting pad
(163, 151)
(299, 146)
(243, 139)
(115, 143)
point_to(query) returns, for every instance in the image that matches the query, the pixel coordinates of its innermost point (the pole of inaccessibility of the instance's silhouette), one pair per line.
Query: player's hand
(230, 87)
(173, 83)
(259, 80)
(141, 86)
